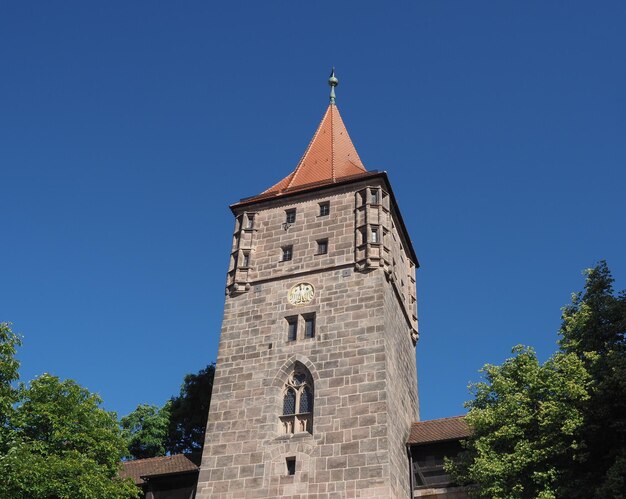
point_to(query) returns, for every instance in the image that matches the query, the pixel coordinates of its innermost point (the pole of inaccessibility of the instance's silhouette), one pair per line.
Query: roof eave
(440, 441)
(173, 473)
(304, 189)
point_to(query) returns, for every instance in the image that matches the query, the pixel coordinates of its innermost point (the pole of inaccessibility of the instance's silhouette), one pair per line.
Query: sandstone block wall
(361, 360)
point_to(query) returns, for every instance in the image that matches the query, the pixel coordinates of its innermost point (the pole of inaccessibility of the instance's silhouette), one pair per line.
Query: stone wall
(361, 361)
(402, 398)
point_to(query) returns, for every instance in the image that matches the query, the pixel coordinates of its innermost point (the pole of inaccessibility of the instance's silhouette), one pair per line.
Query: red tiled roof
(330, 156)
(157, 466)
(438, 430)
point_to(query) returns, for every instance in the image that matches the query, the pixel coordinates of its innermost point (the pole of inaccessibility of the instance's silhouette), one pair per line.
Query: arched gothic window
(298, 395)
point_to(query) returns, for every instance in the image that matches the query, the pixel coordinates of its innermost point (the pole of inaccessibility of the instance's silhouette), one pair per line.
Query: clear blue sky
(126, 129)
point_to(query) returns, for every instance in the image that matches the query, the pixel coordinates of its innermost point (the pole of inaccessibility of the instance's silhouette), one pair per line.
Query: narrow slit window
(375, 235)
(292, 328)
(249, 221)
(374, 199)
(309, 326)
(322, 246)
(287, 253)
(246, 259)
(291, 465)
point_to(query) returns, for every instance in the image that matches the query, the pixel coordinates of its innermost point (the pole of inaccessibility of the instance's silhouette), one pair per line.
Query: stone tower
(316, 385)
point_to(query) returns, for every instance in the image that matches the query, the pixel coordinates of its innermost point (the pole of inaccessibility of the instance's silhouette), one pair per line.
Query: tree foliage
(146, 430)
(526, 419)
(65, 445)
(594, 328)
(177, 427)
(9, 374)
(190, 412)
(59, 443)
(556, 429)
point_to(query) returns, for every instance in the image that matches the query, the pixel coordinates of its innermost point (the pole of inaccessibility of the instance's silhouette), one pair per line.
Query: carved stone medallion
(301, 294)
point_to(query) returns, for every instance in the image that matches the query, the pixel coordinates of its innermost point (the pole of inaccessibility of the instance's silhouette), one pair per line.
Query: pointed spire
(330, 155)
(333, 82)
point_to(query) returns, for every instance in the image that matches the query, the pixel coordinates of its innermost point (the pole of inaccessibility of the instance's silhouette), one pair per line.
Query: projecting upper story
(330, 213)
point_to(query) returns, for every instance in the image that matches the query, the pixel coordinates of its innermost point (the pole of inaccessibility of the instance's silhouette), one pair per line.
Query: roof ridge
(332, 145)
(155, 458)
(440, 419)
(301, 162)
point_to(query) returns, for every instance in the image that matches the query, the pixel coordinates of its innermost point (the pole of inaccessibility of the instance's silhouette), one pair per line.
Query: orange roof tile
(330, 156)
(437, 430)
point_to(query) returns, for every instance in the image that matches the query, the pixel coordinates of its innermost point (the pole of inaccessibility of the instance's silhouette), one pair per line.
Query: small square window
(309, 326)
(246, 259)
(374, 196)
(290, 216)
(287, 253)
(292, 328)
(375, 238)
(322, 246)
(291, 465)
(324, 209)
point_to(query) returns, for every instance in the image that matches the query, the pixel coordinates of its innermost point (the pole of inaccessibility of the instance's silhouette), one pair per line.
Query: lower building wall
(358, 444)
(402, 399)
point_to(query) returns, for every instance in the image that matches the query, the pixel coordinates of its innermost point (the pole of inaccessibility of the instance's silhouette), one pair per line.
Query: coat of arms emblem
(301, 294)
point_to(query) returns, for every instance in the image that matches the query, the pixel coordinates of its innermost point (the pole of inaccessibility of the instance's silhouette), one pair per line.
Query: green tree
(593, 328)
(64, 445)
(146, 430)
(557, 429)
(526, 419)
(190, 412)
(9, 374)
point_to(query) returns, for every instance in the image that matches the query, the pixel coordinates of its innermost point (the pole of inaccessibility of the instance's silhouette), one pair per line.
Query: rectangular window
(291, 465)
(290, 216)
(246, 259)
(375, 238)
(249, 221)
(309, 326)
(292, 328)
(322, 246)
(374, 196)
(287, 253)
(324, 209)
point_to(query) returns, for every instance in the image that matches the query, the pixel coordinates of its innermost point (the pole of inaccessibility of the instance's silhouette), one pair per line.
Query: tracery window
(297, 416)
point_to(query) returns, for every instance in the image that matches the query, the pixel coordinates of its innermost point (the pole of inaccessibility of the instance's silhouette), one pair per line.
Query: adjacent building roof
(142, 469)
(438, 430)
